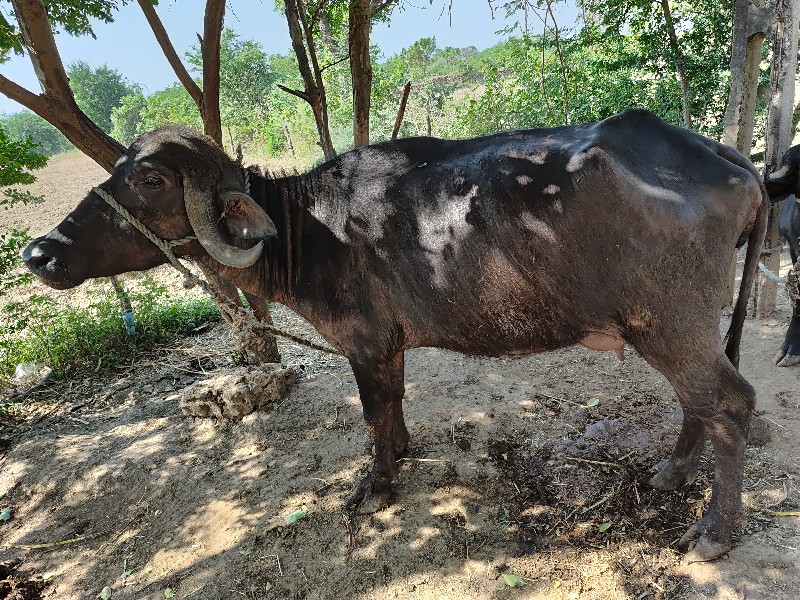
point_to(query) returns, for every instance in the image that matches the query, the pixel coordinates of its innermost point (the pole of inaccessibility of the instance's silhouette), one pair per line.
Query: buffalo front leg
(381, 400)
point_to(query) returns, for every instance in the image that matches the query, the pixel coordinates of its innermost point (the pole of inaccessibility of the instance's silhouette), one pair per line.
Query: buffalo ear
(245, 219)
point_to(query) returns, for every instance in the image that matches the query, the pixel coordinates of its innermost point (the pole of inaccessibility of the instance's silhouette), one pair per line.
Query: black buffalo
(601, 234)
(784, 184)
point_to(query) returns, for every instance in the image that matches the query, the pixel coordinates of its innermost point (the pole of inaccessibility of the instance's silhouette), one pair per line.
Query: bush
(78, 341)
(26, 125)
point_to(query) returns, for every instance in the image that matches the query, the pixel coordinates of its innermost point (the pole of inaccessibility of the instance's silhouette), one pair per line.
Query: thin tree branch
(35, 102)
(561, 62)
(379, 6)
(317, 12)
(334, 63)
(401, 111)
(212, 38)
(171, 55)
(297, 93)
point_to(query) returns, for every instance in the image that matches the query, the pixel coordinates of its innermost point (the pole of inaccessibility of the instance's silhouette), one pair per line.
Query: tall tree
(779, 133)
(360, 67)
(301, 30)
(751, 22)
(98, 91)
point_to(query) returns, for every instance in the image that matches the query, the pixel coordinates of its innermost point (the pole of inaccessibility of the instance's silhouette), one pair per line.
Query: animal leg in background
(789, 354)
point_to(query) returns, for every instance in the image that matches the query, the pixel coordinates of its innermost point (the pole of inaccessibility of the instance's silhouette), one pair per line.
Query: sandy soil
(510, 472)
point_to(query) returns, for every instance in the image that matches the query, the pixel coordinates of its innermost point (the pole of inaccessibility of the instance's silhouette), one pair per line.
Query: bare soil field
(533, 467)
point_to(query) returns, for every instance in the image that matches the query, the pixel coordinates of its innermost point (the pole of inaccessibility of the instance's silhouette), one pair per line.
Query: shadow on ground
(532, 467)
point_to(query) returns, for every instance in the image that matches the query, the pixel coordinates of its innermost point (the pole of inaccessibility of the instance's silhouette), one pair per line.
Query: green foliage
(173, 105)
(245, 85)
(12, 273)
(71, 340)
(98, 91)
(127, 117)
(17, 159)
(25, 125)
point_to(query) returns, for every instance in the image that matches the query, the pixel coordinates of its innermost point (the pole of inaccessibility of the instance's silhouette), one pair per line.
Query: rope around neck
(232, 309)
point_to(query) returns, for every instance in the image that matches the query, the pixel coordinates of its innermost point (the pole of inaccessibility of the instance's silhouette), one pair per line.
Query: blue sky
(128, 45)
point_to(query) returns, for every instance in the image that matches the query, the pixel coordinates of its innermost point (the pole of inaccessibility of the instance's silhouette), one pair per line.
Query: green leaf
(592, 402)
(169, 593)
(604, 527)
(296, 516)
(105, 593)
(5, 515)
(513, 580)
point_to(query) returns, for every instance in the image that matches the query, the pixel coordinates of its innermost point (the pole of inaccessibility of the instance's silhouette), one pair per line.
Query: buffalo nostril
(35, 258)
(37, 263)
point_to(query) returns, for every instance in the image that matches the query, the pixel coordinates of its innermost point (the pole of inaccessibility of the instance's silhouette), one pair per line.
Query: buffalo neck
(292, 269)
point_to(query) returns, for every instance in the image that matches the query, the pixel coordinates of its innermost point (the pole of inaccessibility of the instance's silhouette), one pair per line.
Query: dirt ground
(532, 467)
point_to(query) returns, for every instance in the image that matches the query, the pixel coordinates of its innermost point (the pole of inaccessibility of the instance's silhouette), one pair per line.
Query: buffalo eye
(153, 181)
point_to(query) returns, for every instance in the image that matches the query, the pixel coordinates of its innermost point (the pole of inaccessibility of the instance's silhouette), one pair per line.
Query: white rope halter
(191, 280)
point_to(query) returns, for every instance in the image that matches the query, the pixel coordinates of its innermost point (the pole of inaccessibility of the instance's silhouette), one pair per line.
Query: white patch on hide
(524, 179)
(445, 224)
(538, 227)
(55, 234)
(578, 159)
(551, 189)
(538, 156)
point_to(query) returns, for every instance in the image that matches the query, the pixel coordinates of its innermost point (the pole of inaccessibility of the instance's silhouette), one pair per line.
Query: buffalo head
(785, 180)
(176, 182)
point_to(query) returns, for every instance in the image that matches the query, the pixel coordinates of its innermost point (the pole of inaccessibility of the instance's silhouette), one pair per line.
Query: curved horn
(782, 172)
(200, 207)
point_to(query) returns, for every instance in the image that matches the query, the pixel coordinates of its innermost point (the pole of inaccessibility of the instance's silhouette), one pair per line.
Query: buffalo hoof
(369, 498)
(671, 475)
(703, 544)
(786, 359)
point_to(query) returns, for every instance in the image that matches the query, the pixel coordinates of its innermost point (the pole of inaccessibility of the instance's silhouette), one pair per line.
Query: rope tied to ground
(236, 313)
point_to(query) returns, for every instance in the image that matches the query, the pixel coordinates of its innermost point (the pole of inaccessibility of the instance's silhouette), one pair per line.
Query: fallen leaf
(105, 594)
(592, 402)
(513, 580)
(5, 515)
(169, 593)
(296, 516)
(604, 527)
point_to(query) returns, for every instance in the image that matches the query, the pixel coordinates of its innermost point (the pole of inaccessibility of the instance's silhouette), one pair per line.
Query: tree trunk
(307, 63)
(360, 68)
(750, 25)
(779, 134)
(209, 48)
(682, 76)
(401, 111)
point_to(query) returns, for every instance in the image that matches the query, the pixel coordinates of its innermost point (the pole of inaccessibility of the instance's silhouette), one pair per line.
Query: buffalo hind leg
(714, 393)
(399, 431)
(681, 468)
(381, 399)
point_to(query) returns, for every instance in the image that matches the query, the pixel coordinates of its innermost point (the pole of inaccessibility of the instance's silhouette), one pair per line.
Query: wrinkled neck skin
(289, 271)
